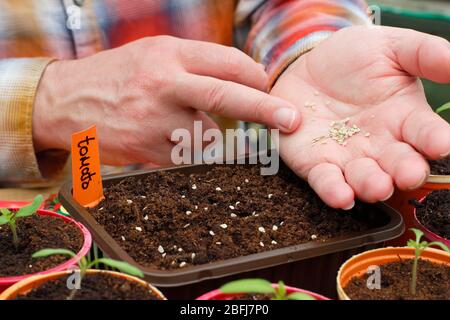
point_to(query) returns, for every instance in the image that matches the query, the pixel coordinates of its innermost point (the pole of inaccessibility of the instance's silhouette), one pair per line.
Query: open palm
(368, 75)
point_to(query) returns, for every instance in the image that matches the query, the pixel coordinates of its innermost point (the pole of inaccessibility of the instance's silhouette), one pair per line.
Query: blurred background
(430, 16)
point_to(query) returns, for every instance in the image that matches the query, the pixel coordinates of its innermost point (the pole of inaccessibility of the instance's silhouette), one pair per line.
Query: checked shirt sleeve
(282, 30)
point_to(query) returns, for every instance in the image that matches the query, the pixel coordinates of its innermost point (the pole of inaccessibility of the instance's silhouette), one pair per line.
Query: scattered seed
(194, 187)
(173, 262)
(261, 229)
(196, 207)
(139, 229)
(192, 256)
(269, 195)
(224, 226)
(146, 217)
(123, 238)
(205, 208)
(160, 249)
(182, 264)
(314, 237)
(231, 207)
(233, 215)
(212, 233)
(238, 188)
(246, 181)
(101, 209)
(180, 249)
(237, 203)
(183, 196)
(281, 223)
(30, 266)
(163, 255)
(253, 213)
(261, 244)
(274, 242)
(129, 201)
(175, 247)
(367, 135)
(186, 225)
(274, 228)
(339, 131)
(218, 189)
(143, 197)
(218, 243)
(188, 212)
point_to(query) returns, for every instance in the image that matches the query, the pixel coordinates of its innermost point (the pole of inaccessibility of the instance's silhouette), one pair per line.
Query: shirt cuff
(19, 79)
(284, 30)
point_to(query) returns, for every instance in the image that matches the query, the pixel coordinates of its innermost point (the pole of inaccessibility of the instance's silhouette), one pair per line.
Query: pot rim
(439, 179)
(408, 251)
(11, 292)
(218, 295)
(87, 242)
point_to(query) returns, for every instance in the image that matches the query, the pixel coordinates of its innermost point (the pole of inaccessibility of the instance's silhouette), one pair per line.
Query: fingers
(368, 180)
(421, 54)
(407, 167)
(428, 133)
(329, 183)
(236, 101)
(226, 63)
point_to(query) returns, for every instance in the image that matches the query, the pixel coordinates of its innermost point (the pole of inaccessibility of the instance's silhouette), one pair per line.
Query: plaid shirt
(33, 32)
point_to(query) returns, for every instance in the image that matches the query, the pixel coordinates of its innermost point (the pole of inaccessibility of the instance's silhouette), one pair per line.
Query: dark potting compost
(433, 282)
(168, 220)
(36, 233)
(93, 287)
(434, 212)
(440, 167)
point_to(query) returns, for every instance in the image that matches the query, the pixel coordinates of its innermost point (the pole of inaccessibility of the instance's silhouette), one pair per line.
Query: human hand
(139, 93)
(369, 75)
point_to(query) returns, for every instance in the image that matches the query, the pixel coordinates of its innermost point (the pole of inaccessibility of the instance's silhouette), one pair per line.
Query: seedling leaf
(31, 208)
(300, 296)
(441, 245)
(248, 286)
(3, 220)
(49, 252)
(443, 108)
(121, 266)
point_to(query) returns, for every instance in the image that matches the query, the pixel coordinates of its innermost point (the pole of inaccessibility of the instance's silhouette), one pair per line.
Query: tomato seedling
(419, 247)
(10, 216)
(261, 286)
(84, 264)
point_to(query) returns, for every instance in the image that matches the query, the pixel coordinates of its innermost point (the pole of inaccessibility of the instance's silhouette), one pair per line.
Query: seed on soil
(175, 247)
(274, 228)
(129, 201)
(146, 217)
(261, 244)
(180, 249)
(188, 212)
(139, 229)
(30, 266)
(212, 233)
(160, 249)
(183, 196)
(253, 213)
(194, 187)
(173, 262)
(218, 189)
(101, 209)
(246, 181)
(274, 242)
(313, 237)
(143, 197)
(233, 215)
(186, 225)
(123, 238)
(193, 256)
(231, 207)
(182, 264)
(269, 195)
(195, 207)
(223, 226)
(218, 243)
(238, 188)
(261, 229)
(163, 255)
(205, 208)
(237, 203)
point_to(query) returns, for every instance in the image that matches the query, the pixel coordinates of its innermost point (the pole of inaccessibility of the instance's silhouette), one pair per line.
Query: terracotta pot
(429, 235)
(25, 286)
(357, 265)
(400, 202)
(5, 282)
(218, 295)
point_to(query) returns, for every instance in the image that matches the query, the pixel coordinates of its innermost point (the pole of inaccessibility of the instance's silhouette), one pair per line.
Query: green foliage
(419, 247)
(10, 216)
(443, 108)
(261, 286)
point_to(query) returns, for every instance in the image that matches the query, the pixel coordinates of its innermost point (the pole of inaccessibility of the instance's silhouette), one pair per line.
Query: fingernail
(422, 181)
(349, 207)
(390, 195)
(284, 118)
(445, 155)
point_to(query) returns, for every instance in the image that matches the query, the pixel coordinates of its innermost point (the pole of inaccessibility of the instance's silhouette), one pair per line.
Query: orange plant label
(86, 177)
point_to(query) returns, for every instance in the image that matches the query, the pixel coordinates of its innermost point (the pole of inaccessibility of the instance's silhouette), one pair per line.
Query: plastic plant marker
(86, 176)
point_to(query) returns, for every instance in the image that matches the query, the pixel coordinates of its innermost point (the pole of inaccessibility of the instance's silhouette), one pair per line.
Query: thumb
(421, 54)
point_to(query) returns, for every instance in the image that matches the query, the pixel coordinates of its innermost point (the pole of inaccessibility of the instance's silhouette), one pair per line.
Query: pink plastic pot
(5, 282)
(13, 205)
(217, 295)
(430, 235)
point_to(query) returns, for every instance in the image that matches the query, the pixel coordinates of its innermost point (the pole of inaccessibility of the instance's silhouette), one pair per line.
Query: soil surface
(93, 287)
(434, 213)
(167, 220)
(433, 283)
(36, 233)
(253, 297)
(440, 167)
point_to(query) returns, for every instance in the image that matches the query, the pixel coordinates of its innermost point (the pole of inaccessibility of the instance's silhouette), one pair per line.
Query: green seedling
(419, 247)
(10, 216)
(443, 108)
(261, 286)
(84, 264)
